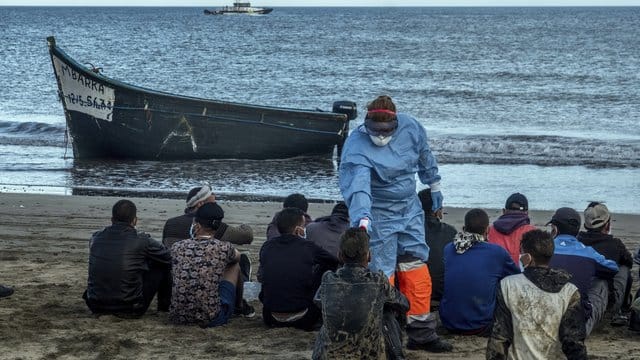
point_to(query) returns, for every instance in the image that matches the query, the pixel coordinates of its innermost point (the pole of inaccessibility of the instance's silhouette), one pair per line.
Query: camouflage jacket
(352, 301)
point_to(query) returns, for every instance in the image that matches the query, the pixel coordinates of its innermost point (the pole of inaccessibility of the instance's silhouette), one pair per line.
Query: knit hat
(596, 215)
(517, 201)
(198, 194)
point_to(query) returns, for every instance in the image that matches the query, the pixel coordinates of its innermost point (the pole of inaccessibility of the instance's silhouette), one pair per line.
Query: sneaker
(435, 346)
(5, 291)
(245, 310)
(619, 319)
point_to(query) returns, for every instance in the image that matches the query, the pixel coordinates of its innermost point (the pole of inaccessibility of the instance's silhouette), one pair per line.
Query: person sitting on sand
(352, 301)
(507, 230)
(296, 201)
(126, 267)
(597, 222)
(589, 270)
(472, 270)
(438, 234)
(291, 267)
(177, 228)
(5, 291)
(538, 313)
(207, 283)
(326, 231)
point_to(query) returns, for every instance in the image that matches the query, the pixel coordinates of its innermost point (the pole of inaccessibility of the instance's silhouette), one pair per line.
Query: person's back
(508, 229)
(538, 313)
(597, 222)
(178, 228)
(325, 231)
(438, 235)
(589, 270)
(290, 274)
(199, 268)
(119, 260)
(473, 269)
(352, 301)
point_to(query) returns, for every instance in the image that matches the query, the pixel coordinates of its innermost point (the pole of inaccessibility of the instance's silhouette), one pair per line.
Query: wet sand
(44, 252)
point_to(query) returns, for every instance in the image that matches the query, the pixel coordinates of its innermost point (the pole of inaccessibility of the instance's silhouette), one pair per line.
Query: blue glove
(436, 196)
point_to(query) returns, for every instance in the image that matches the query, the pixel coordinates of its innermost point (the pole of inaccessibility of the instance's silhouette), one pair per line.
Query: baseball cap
(596, 215)
(517, 201)
(566, 216)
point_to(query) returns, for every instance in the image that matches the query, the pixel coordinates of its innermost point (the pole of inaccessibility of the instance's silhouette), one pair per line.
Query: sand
(44, 252)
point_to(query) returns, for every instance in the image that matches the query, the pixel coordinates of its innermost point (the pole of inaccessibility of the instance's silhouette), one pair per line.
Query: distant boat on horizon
(239, 8)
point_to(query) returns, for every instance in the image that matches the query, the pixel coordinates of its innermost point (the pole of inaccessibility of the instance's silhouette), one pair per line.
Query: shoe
(5, 291)
(245, 310)
(619, 319)
(435, 346)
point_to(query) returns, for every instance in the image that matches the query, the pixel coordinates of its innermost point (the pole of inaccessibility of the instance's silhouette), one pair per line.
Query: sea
(539, 100)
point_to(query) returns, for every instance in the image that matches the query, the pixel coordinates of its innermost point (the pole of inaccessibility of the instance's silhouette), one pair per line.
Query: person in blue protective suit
(377, 179)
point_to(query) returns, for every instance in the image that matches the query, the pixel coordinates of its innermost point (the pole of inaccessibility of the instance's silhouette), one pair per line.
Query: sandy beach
(44, 252)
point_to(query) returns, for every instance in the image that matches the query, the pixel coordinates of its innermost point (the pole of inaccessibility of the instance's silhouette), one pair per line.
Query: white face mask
(380, 140)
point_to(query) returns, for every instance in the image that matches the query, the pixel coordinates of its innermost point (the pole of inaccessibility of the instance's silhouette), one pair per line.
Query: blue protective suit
(379, 182)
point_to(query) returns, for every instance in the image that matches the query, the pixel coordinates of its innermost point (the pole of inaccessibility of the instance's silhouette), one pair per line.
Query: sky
(297, 3)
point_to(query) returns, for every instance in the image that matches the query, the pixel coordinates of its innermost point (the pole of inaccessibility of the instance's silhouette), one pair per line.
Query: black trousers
(155, 281)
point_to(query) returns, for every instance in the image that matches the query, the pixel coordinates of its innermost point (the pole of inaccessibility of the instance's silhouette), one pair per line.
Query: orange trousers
(414, 281)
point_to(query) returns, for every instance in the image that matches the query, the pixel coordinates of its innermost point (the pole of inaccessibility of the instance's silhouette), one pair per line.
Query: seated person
(206, 274)
(325, 231)
(126, 267)
(538, 315)
(507, 230)
(597, 222)
(438, 234)
(296, 201)
(472, 270)
(177, 228)
(291, 267)
(589, 270)
(352, 301)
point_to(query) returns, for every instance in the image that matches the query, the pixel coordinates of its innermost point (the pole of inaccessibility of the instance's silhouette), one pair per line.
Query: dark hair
(426, 200)
(340, 209)
(476, 221)
(539, 245)
(354, 245)
(567, 229)
(288, 219)
(210, 215)
(123, 211)
(296, 201)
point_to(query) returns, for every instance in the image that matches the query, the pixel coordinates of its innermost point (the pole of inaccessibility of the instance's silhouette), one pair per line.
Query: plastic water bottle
(251, 290)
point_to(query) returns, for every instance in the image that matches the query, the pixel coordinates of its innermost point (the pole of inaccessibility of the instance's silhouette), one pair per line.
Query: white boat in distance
(239, 8)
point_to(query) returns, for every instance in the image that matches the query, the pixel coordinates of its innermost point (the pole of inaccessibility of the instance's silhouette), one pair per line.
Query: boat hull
(110, 119)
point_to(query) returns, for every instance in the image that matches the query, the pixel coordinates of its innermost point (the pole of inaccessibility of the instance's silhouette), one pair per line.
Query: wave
(30, 128)
(536, 150)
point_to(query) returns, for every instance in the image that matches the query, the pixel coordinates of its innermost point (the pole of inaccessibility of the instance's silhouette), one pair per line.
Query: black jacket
(326, 231)
(438, 234)
(118, 259)
(610, 247)
(291, 268)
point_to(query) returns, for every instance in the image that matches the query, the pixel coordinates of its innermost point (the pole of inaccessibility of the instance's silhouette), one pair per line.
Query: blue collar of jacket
(565, 240)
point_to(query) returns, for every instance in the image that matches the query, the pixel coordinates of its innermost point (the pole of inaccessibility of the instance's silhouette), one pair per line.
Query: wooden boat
(239, 8)
(107, 118)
